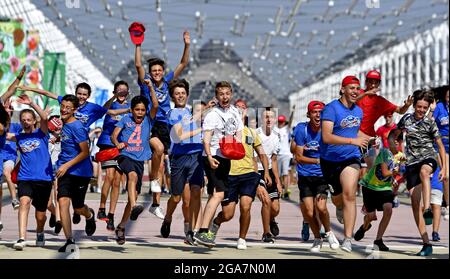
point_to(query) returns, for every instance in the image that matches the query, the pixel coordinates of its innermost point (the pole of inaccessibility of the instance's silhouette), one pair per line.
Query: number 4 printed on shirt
(135, 137)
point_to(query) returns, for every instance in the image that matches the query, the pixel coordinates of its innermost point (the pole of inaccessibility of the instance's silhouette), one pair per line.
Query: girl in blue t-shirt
(132, 137)
(339, 153)
(34, 180)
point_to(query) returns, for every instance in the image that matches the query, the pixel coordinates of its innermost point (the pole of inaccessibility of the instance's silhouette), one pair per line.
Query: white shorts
(9, 163)
(436, 197)
(283, 163)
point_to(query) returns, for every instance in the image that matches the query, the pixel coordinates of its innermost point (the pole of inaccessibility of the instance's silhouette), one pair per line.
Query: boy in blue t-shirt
(160, 138)
(74, 170)
(132, 136)
(34, 180)
(186, 162)
(340, 155)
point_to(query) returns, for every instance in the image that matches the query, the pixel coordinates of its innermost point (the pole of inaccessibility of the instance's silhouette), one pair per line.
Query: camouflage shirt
(420, 136)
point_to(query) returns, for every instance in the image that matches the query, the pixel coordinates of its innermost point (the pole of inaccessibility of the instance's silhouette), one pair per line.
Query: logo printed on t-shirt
(350, 121)
(312, 145)
(82, 117)
(29, 145)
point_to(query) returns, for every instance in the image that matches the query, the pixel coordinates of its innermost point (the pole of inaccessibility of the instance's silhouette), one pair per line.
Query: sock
(155, 204)
(102, 209)
(110, 215)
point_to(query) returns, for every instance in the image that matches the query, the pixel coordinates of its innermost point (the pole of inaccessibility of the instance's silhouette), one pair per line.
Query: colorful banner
(34, 70)
(12, 51)
(54, 77)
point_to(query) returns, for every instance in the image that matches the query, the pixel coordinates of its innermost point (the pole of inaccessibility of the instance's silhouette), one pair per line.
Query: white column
(390, 76)
(427, 66)
(383, 76)
(444, 65)
(418, 82)
(396, 90)
(437, 74)
(402, 77)
(409, 84)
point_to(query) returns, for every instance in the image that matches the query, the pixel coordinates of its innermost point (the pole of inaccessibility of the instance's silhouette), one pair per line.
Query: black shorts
(332, 172)
(271, 190)
(185, 169)
(127, 165)
(241, 185)
(37, 191)
(110, 163)
(312, 186)
(161, 131)
(217, 178)
(413, 172)
(374, 200)
(73, 187)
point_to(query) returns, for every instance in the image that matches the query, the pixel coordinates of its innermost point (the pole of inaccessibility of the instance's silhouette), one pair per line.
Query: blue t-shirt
(109, 123)
(346, 122)
(72, 135)
(435, 183)
(162, 94)
(441, 116)
(137, 136)
(9, 151)
(35, 162)
(88, 113)
(306, 137)
(190, 145)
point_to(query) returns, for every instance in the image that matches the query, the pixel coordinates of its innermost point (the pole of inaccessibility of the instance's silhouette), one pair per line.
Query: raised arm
(39, 91)
(408, 102)
(185, 58)
(24, 99)
(12, 88)
(154, 100)
(108, 103)
(138, 62)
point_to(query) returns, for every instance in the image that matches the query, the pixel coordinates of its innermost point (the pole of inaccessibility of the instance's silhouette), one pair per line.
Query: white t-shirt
(285, 147)
(270, 144)
(221, 122)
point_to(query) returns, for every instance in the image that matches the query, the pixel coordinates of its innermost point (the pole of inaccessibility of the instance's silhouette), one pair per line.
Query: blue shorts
(185, 169)
(241, 185)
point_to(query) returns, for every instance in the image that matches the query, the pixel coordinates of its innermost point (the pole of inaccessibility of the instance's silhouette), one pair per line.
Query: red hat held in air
(373, 74)
(137, 30)
(281, 118)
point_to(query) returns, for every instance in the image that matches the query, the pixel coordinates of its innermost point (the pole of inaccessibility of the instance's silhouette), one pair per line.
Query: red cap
(281, 118)
(350, 80)
(137, 30)
(315, 105)
(54, 124)
(373, 74)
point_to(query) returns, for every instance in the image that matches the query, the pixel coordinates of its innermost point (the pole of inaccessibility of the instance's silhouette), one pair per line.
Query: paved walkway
(144, 240)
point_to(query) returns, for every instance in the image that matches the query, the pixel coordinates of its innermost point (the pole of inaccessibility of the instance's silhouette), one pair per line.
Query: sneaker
(136, 211)
(190, 239)
(52, 221)
(305, 232)
(332, 240)
(427, 249)
(205, 238)
(267, 238)
(446, 215)
(76, 218)
(360, 232)
(19, 245)
(428, 216)
(155, 187)
(101, 215)
(157, 211)
(165, 229)
(317, 244)
(340, 215)
(274, 229)
(40, 239)
(123, 191)
(90, 224)
(435, 236)
(347, 245)
(120, 235)
(58, 227)
(110, 224)
(63, 248)
(241, 244)
(15, 204)
(380, 245)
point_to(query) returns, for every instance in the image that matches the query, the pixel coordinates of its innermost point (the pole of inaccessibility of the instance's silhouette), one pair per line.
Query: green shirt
(374, 178)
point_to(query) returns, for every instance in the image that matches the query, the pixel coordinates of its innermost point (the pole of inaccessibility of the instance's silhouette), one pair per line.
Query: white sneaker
(332, 240)
(19, 245)
(340, 215)
(317, 244)
(347, 245)
(157, 211)
(241, 244)
(40, 239)
(446, 213)
(155, 187)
